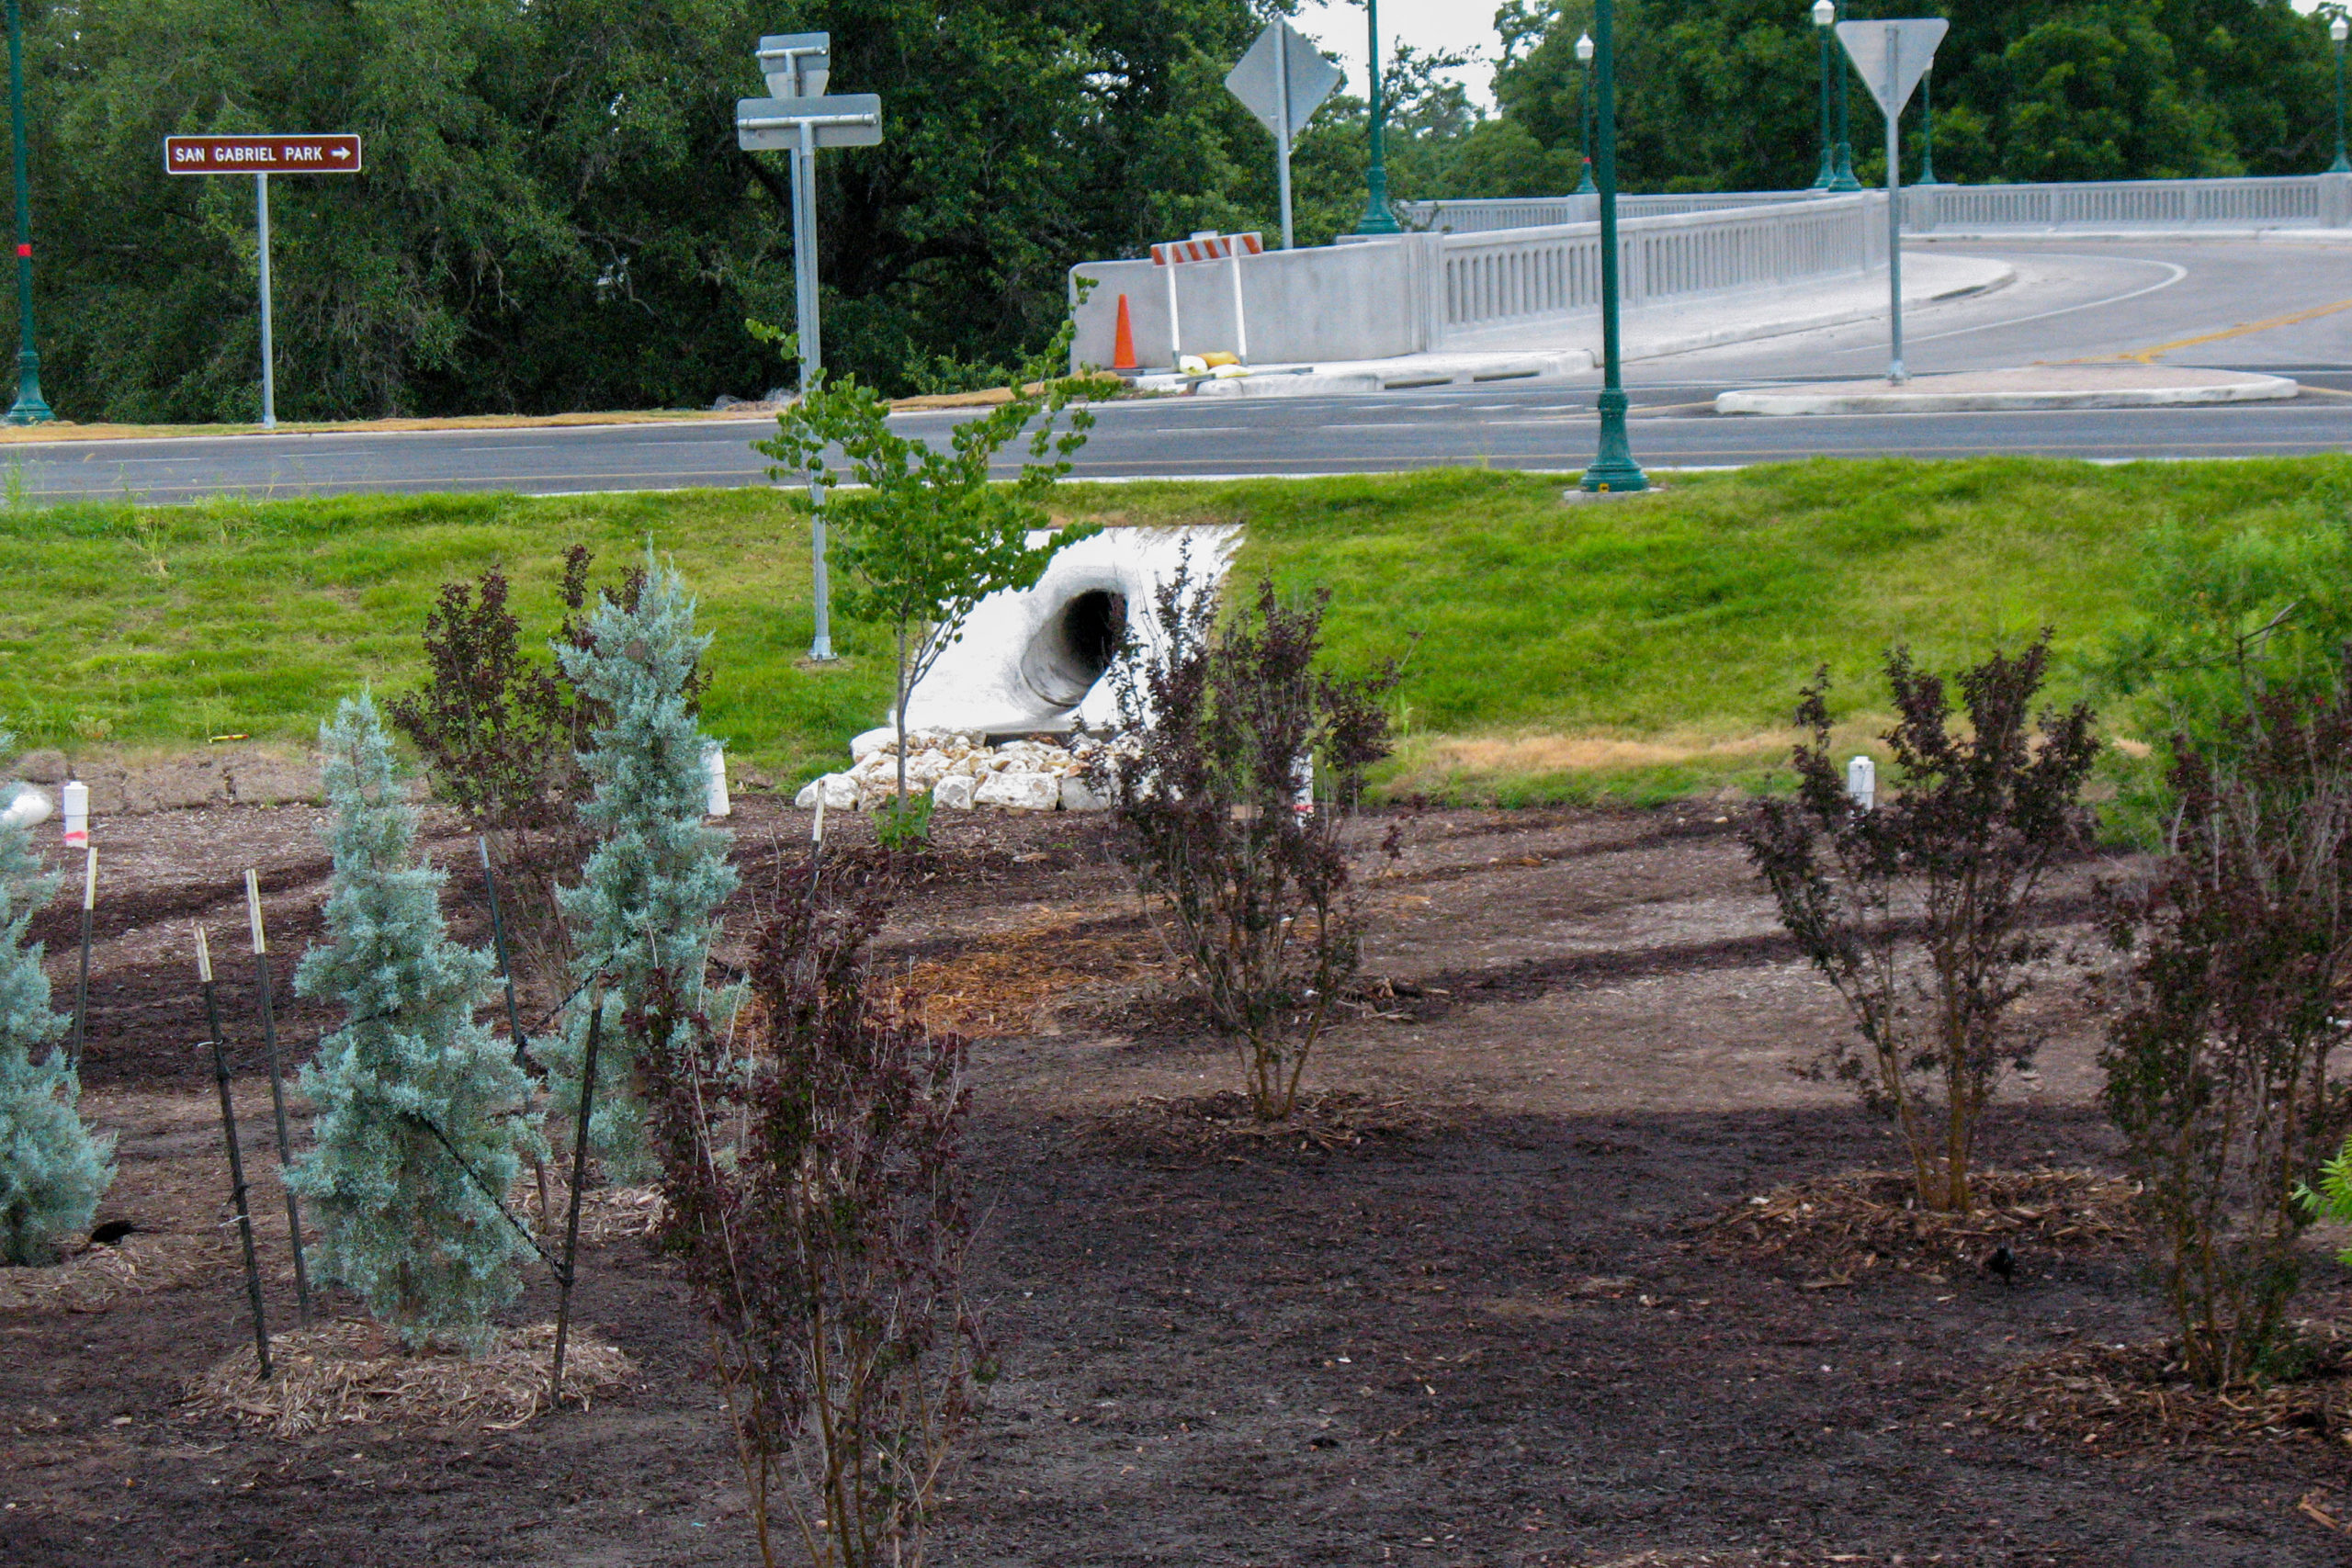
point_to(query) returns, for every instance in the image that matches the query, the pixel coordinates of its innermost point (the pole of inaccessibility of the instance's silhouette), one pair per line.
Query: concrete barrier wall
(1359, 301)
(1374, 298)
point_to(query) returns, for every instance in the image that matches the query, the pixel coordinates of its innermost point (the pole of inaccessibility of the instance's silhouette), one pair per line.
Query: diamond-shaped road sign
(1258, 81)
(838, 119)
(1891, 57)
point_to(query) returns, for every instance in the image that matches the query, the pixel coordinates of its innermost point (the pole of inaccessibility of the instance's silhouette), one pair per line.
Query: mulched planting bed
(1472, 1309)
(1225, 1125)
(1843, 1225)
(354, 1374)
(2137, 1396)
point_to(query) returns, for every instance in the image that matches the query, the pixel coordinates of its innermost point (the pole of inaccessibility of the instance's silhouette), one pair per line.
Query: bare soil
(1477, 1312)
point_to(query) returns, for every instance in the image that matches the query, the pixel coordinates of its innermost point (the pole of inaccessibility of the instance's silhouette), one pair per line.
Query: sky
(1427, 25)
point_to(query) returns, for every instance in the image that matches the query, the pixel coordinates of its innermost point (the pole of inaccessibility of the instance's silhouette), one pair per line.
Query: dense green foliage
(420, 1118)
(1722, 94)
(53, 1170)
(646, 901)
(555, 214)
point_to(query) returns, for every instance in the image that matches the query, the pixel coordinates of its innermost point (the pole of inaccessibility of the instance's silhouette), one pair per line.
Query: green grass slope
(1643, 647)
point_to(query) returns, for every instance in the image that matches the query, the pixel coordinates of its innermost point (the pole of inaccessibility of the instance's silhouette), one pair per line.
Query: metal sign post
(1891, 57)
(1282, 79)
(800, 118)
(262, 156)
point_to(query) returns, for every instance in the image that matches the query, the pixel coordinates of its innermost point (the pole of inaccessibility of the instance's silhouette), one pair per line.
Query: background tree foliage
(555, 215)
(1722, 95)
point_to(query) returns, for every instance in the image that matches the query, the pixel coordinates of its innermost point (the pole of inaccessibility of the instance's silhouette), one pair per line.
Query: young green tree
(421, 1116)
(931, 533)
(53, 1170)
(650, 894)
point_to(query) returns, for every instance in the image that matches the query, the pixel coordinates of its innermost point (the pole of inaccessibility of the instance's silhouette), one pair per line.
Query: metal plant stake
(514, 1013)
(81, 979)
(579, 1173)
(236, 1161)
(277, 1096)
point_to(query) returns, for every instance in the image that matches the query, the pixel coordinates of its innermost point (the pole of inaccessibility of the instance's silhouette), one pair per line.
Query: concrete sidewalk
(2092, 385)
(1570, 345)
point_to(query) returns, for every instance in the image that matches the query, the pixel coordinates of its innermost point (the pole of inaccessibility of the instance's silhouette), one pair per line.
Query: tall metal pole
(1828, 176)
(1928, 127)
(268, 359)
(2342, 165)
(1842, 178)
(1895, 375)
(28, 408)
(1377, 219)
(1584, 132)
(812, 365)
(1614, 468)
(1282, 129)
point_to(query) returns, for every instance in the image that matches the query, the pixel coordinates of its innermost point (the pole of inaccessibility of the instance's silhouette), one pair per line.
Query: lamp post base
(1613, 470)
(1585, 185)
(28, 408)
(2342, 165)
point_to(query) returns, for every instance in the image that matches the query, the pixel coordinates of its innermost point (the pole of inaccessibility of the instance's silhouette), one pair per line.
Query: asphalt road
(2271, 307)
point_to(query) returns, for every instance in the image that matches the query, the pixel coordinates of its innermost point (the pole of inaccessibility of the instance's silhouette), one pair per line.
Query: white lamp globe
(1584, 49)
(2339, 28)
(1824, 13)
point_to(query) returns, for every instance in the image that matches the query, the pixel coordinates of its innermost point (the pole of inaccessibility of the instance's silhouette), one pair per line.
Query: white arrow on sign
(1891, 57)
(1282, 79)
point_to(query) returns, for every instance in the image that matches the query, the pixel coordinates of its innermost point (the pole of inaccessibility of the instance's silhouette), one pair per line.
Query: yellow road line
(2148, 355)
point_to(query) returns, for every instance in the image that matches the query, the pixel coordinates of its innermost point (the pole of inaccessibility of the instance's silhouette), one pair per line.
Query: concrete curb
(1821, 401)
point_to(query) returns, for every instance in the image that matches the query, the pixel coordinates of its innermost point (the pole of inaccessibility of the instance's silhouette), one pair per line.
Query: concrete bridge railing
(1473, 217)
(2292, 201)
(1374, 298)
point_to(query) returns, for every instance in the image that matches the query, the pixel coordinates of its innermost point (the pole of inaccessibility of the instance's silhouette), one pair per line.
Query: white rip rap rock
(961, 773)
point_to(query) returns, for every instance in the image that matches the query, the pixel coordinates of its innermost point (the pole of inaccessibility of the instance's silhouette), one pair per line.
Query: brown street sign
(333, 154)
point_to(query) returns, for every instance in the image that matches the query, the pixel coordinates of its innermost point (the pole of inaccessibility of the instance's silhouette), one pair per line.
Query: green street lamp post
(1584, 115)
(1927, 128)
(1377, 219)
(28, 409)
(1841, 178)
(2336, 29)
(1613, 469)
(1824, 17)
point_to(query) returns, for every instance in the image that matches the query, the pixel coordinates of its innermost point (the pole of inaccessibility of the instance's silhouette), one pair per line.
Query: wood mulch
(355, 1374)
(1198, 1129)
(2135, 1396)
(1841, 1226)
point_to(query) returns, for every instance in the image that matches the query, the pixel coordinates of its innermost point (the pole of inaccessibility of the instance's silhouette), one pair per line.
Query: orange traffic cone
(1123, 340)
